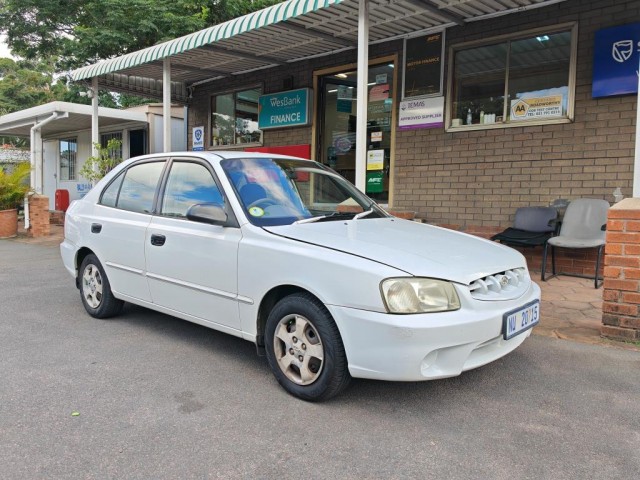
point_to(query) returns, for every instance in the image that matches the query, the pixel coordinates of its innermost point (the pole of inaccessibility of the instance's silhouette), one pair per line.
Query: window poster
(375, 159)
(423, 65)
(375, 182)
(536, 107)
(345, 96)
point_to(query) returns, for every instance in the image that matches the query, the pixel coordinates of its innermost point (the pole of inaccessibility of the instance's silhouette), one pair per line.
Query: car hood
(418, 249)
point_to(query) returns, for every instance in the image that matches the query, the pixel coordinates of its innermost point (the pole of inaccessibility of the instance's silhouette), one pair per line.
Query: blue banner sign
(616, 54)
(284, 109)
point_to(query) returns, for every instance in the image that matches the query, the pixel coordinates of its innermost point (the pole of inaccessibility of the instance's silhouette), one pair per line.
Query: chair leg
(543, 276)
(544, 262)
(598, 259)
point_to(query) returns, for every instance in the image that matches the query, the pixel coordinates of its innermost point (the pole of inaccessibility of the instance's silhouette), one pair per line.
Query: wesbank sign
(284, 109)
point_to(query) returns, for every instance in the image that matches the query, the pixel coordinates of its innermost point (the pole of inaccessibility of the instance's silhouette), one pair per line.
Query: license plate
(520, 320)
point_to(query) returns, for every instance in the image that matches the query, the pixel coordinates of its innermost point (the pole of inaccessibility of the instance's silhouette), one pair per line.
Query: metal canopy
(73, 117)
(288, 32)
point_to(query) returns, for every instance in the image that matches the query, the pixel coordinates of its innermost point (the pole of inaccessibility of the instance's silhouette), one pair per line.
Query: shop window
(68, 159)
(234, 118)
(514, 81)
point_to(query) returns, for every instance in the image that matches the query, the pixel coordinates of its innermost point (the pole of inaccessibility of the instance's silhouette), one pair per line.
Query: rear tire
(95, 290)
(305, 350)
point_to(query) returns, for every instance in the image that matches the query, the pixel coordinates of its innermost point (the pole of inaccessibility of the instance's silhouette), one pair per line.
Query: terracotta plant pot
(8, 223)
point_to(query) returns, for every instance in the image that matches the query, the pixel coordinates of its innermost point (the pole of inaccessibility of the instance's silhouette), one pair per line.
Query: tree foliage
(25, 84)
(81, 31)
(77, 32)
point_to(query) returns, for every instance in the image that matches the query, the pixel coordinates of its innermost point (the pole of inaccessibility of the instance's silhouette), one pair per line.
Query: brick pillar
(39, 216)
(621, 296)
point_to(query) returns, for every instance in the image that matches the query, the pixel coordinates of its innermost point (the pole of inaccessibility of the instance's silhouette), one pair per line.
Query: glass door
(337, 132)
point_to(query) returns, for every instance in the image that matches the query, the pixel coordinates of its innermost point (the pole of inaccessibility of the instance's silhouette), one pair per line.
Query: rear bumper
(68, 253)
(428, 346)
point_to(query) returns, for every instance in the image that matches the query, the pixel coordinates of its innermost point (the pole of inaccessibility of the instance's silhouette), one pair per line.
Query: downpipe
(37, 126)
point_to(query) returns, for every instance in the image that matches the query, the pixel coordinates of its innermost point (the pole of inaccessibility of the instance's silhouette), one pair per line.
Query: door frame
(315, 126)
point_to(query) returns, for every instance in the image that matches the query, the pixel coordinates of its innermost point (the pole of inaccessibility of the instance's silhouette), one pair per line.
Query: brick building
(479, 176)
(470, 169)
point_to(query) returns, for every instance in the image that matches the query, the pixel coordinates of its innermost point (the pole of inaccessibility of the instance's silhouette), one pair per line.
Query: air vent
(505, 285)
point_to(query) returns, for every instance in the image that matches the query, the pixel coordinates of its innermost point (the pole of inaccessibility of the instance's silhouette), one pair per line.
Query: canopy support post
(362, 95)
(166, 103)
(95, 127)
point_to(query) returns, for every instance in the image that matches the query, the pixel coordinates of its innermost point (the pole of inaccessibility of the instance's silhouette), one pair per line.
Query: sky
(4, 50)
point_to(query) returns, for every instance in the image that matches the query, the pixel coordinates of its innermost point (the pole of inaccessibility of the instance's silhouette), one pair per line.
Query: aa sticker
(256, 211)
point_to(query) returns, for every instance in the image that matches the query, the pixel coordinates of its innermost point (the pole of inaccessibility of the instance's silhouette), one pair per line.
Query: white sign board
(421, 113)
(197, 139)
(536, 107)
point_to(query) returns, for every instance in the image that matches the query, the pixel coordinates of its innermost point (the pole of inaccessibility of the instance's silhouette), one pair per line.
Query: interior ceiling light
(341, 75)
(543, 38)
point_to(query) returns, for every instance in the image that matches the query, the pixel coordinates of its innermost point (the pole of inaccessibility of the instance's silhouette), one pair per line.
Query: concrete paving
(571, 308)
(160, 398)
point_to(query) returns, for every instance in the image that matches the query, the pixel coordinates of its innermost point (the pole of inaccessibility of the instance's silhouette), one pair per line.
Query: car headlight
(419, 295)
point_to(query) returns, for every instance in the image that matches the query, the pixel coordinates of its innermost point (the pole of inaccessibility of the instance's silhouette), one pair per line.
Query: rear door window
(139, 187)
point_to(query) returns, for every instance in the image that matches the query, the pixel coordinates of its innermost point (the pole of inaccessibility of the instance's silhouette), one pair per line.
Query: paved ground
(162, 398)
(572, 309)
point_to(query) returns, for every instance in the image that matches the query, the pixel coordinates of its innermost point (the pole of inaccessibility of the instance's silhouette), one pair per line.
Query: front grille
(501, 286)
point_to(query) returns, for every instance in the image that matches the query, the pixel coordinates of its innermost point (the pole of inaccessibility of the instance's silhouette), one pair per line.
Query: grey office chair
(583, 226)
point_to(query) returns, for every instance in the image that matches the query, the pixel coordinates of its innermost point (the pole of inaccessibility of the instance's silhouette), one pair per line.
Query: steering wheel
(262, 203)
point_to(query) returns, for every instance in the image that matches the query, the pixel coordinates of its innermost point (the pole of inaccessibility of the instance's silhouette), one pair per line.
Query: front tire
(95, 290)
(304, 348)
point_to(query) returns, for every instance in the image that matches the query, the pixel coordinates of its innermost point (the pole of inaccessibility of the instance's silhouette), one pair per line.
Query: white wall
(51, 171)
(178, 139)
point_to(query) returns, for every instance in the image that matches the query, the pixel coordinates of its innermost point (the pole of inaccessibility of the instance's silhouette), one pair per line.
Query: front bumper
(382, 346)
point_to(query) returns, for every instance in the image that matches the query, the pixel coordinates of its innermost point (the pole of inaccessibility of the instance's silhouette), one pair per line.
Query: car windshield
(276, 191)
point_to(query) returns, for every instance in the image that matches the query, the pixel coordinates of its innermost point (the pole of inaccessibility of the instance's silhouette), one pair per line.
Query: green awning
(253, 21)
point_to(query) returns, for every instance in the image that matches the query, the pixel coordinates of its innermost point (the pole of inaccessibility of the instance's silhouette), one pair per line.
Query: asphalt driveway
(161, 398)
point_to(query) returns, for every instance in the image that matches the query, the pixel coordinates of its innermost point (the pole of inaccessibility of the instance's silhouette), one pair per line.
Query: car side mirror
(212, 213)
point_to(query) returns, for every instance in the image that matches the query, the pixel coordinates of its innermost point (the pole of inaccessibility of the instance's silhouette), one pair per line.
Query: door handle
(158, 240)
(96, 228)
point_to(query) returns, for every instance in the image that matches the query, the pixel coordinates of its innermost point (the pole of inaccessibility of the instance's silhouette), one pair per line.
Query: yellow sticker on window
(256, 211)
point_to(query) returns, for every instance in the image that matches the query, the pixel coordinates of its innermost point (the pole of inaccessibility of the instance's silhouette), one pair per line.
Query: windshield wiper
(363, 214)
(333, 215)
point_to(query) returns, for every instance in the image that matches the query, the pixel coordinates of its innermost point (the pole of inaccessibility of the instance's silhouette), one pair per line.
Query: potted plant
(13, 188)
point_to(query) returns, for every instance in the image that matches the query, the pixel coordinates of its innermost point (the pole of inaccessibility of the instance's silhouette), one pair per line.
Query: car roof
(219, 155)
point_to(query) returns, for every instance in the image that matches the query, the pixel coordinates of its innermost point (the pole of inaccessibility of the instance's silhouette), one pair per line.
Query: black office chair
(532, 226)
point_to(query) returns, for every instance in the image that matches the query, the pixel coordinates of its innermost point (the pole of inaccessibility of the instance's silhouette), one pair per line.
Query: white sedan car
(287, 254)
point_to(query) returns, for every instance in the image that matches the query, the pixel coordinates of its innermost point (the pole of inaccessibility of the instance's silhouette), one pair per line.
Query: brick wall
(480, 177)
(39, 216)
(621, 296)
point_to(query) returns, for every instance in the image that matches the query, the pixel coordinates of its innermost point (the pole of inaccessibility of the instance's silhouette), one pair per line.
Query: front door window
(337, 133)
